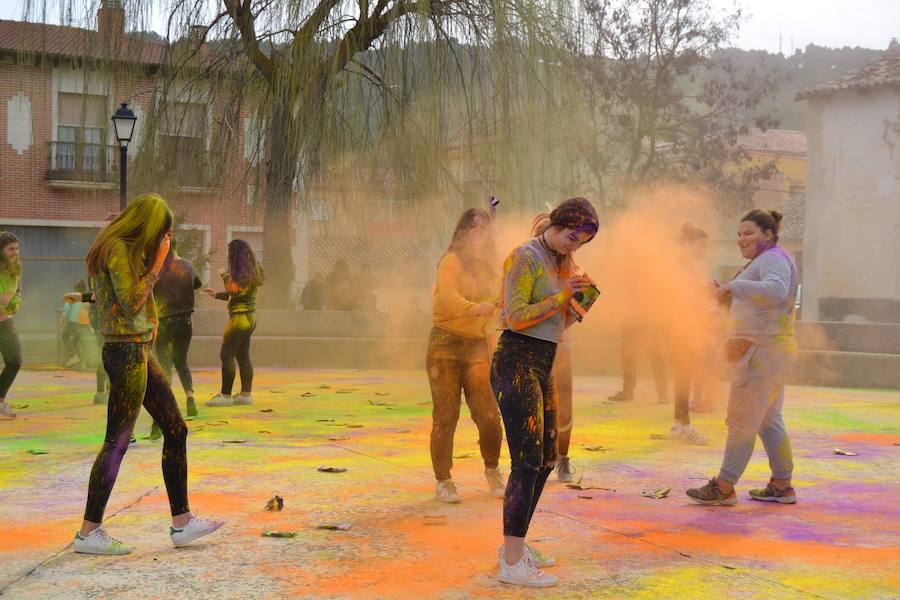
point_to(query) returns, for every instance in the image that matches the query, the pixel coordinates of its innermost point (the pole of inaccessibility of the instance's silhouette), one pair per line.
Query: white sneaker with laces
(196, 528)
(675, 431)
(6, 412)
(564, 471)
(242, 399)
(692, 436)
(525, 573)
(99, 542)
(495, 482)
(534, 554)
(220, 400)
(445, 491)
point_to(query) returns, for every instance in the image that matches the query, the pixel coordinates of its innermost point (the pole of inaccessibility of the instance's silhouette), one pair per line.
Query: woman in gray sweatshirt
(761, 348)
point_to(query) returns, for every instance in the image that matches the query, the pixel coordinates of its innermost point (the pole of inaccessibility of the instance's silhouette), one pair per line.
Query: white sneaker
(99, 542)
(675, 432)
(525, 573)
(445, 491)
(242, 399)
(495, 482)
(564, 471)
(534, 554)
(196, 528)
(220, 400)
(6, 412)
(692, 436)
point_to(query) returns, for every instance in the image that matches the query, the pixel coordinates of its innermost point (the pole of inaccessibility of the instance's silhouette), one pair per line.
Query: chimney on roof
(111, 21)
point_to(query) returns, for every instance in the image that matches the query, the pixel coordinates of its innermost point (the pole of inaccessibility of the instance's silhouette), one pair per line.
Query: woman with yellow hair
(124, 263)
(10, 301)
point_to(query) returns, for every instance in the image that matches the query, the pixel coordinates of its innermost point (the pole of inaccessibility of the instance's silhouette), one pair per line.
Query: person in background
(637, 340)
(313, 295)
(339, 287)
(761, 348)
(174, 294)
(124, 262)
(691, 367)
(537, 288)
(242, 280)
(10, 303)
(366, 284)
(75, 325)
(458, 356)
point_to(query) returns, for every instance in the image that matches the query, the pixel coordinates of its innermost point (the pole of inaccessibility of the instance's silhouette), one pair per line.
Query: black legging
(136, 378)
(520, 377)
(11, 351)
(102, 379)
(236, 344)
(173, 340)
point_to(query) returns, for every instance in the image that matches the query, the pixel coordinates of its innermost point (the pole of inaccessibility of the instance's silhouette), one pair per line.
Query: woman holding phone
(761, 349)
(537, 288)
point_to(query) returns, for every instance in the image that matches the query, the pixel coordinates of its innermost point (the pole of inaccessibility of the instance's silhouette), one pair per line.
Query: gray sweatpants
(754, 408)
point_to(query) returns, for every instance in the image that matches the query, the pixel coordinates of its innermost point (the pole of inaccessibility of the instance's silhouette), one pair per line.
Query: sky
(831, 23)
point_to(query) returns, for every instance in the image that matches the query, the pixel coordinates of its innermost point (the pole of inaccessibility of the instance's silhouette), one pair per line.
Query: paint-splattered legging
(172, 343)
(754, 408)
(522, 383)
(236, 345)
(12, 355)
(455, 364)
(135, 379)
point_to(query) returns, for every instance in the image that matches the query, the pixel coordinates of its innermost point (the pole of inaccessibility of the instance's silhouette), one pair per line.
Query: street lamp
(124, 121)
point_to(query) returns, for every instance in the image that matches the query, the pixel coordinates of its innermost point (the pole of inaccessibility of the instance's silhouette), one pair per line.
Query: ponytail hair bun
(690, 233)
(767, 220)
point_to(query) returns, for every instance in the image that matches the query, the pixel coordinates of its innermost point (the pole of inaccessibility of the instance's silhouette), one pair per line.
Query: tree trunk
(281, 171)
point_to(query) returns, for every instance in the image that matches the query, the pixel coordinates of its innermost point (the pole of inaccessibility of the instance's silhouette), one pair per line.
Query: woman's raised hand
(162, 252)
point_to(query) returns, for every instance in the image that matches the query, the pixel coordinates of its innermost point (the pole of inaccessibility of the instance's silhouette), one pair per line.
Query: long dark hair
(242, 266)
(14, 268)
(481, 266)
(467, 221)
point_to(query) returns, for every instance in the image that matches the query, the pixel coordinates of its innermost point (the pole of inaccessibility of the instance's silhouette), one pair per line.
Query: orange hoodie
(456, 294)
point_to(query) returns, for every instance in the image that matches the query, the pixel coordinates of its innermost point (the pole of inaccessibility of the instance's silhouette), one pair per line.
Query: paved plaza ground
(842, 540)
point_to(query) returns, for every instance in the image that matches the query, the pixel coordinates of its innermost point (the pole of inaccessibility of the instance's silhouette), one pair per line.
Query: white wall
(851, 247)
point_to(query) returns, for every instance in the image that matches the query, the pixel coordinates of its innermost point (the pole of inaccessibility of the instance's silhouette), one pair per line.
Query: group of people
(143, 298)
(519, 381)
(527, 383)
(341, 290)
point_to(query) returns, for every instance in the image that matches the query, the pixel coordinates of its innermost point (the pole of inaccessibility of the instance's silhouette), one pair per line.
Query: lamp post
(123, 121)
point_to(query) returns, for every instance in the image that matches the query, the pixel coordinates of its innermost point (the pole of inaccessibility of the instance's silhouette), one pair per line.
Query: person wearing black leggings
(10, 302)
(539, 282)
(174, 293)
(124, 278)
(242, 278)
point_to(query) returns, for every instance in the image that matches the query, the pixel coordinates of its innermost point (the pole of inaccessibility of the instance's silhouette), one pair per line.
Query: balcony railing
(79, 162)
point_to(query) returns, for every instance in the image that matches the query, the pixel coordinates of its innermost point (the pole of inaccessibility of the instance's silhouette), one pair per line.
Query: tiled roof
(884, 72)
(774, 141)
(58, 40)
(386, 256)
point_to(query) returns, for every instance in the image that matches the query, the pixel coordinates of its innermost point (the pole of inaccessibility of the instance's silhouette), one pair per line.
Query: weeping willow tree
(395, 84)
(437, 103)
